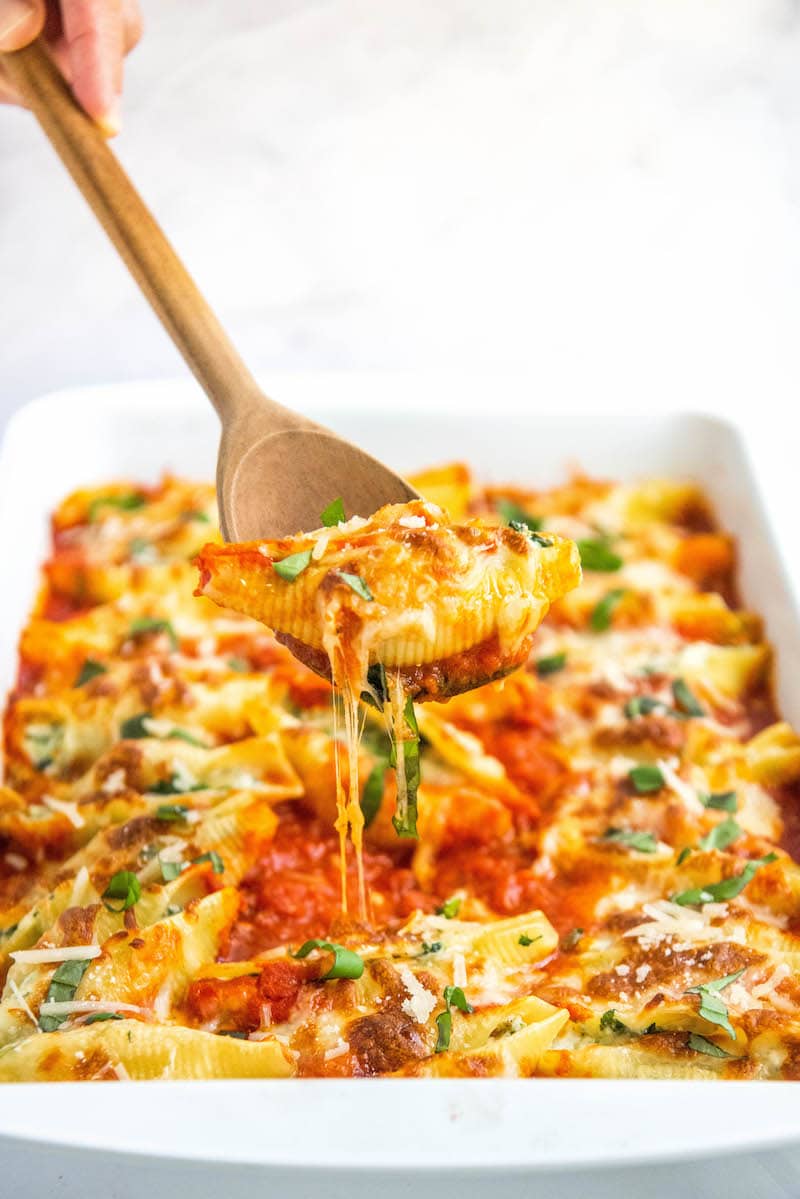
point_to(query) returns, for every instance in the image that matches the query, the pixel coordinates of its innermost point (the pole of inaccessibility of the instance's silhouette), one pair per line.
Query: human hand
(88, 39)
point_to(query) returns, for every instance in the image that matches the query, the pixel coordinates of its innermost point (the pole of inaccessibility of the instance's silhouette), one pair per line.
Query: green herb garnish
(124, 886)
(721, 835)
(551, 665)
(454, 998)
(405, 820)
(683, 855)
(90, 670)
(63, 985)
(450, 908)
(646, 779)
(728, 888)
(289, 568)
(333, 514)
(511, 514)
(357, 584)
(171, 870)
(520, 527)
(240, 665)
(126, 502)
(720, 801)
(703, 1045)
(434, 947)
(98, 1017)
(524, 939)
(609, 1022)
(711, 1006)
(631, 839)
(644, 705)
(603, 611)
(597, 555)
(346, 963)
(372, 795)
(150, 624)
(133, 729)
(685, 701)
(171, 811)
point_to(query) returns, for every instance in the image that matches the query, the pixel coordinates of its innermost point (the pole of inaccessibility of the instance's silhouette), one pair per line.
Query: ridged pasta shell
(437, 590)
(141, 1051)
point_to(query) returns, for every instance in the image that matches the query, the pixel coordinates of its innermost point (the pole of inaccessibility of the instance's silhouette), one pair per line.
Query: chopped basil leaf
(97, 1017)
(171, 811)
(434, 947)
(405, 823)
(520, 526)
(721, 835)
(444, 1023)
(174, 785)
(609, 1022)
(90, 670)
(603, 611)
(453, 997)
(333, 514)
(570, 940)
(644, 705)
(511, 514)
(289, 568)
(450, 908)
(597, 555)
(703, 1045)
(711, 1006)
(720, 801)
(372, 795)
(133, 728)
(149, 624)
(240, 665)
(346, 963)
(524, 939)
(631, 839)
(140, 549)
(728, 888)
(683, 855)
(685, 701)
(189, 738)
(646, 779)
(236, 1033)
(63, 985)
(171, 870)
(357, 584)
(551, 665)
(124, 886)
(126, 502)
(378, 693)
(217, 864)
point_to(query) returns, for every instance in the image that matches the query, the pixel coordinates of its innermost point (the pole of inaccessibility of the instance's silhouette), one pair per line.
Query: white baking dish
(452, 1138)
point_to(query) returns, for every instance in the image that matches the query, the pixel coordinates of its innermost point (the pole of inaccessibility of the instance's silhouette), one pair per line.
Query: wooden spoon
(276, 470)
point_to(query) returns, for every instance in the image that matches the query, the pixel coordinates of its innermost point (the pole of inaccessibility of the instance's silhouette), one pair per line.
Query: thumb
(20, 22)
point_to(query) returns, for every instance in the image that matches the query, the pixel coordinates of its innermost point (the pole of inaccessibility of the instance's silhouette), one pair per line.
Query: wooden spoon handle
(146, 251)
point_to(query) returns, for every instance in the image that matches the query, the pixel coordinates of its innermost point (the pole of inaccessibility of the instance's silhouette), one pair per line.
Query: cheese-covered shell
(438, 591)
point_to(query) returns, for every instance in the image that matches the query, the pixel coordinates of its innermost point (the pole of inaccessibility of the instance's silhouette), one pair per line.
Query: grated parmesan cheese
(64, 953)
(420, 1002)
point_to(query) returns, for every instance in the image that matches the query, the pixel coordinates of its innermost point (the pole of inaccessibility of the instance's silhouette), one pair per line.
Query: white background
(602, 194)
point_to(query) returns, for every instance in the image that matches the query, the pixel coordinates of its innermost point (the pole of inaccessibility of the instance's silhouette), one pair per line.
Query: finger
(20, 22)
(131, 24)
(93, 35)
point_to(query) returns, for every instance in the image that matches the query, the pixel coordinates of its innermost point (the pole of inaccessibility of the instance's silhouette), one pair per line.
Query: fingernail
(13, 15)
(111, 121)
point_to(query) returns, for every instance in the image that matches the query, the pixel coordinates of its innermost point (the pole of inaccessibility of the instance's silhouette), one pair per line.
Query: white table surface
(603, 195)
